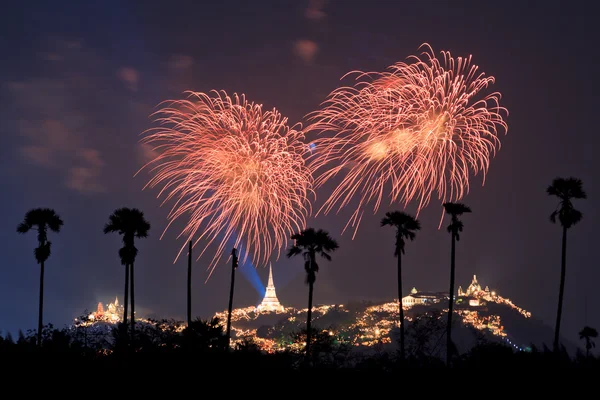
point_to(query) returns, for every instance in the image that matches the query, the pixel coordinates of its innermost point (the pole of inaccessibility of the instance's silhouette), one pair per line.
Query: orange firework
(237, 172)
(416, 129)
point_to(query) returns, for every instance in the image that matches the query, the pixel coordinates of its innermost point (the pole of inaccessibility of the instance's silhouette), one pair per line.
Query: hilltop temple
(112, 313)
(270, 303)
(474, 289)
(420, 298)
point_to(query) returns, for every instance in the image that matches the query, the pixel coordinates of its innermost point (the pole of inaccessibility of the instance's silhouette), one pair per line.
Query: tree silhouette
(405, 225)
(456, 226)
(588, 333)
(566, 190)
(189, 286)
(309, 243)
(131, 224)
(41, 219)
(234, 265)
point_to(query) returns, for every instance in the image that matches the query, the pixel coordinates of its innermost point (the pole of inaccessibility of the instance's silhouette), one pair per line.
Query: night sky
(78, 84)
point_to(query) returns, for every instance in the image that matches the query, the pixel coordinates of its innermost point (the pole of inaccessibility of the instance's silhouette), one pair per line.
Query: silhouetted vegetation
(131, 224)
(309, 243)
(41, 219)
(588, 333)
(566, 190)
(456, 226)
(234, 265)
(405, 225)
(157, 342)
(164, 342)
(189, 285)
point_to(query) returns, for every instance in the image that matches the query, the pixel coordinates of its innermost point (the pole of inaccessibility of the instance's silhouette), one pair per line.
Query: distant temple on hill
(474, 292)
(270, 303)
(474, 289)
(111, 314)
(419, 298)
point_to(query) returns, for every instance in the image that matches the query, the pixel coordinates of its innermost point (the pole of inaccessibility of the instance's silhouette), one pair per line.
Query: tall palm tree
(456, 226)
(588, 333)
(309, 243)
(189, 287)
(234, 265)
(41, 219)
(405, 225)
(130, 223)
(566, 190)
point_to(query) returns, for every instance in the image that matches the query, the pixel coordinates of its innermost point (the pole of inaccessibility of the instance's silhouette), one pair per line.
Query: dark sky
(78, 83)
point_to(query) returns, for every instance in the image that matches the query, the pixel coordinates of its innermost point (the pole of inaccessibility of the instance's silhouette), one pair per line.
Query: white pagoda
(270, 303)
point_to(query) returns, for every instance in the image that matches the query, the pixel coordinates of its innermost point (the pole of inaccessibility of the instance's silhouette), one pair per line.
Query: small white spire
(270, 301)
(270, 282)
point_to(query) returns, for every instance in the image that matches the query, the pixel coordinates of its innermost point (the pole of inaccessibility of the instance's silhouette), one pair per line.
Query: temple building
(418, 298)
(474, 289)
(270, 303)
(112, 313)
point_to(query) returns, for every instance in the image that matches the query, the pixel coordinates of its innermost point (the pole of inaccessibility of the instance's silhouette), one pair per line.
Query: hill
(481, 315)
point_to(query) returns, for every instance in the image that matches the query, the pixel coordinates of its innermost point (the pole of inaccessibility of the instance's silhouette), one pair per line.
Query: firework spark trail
(418, 128)
(237, 171)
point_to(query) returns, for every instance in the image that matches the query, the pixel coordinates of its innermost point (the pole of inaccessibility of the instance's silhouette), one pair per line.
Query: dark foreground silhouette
(161, 345)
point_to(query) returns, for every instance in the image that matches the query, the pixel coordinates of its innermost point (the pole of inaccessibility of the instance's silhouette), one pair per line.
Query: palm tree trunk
(126, 296)
(587, 347)
(400, 309)
(189, 287)
(561, 291)
(41, 309)
(449, 346)
(132, 307)
(309, 318)
(230, 302)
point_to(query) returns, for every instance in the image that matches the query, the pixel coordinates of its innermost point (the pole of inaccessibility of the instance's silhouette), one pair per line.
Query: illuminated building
(478, 296)
(270, 303)
(420, 298)
(112, 313)
(372, 325)
(474, 302)
(473, 289)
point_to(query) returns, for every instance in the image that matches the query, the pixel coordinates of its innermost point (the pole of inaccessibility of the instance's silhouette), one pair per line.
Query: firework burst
(420, 127)
(237, 173)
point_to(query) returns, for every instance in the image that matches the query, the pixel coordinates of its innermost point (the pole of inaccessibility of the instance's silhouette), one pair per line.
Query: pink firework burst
(236, 173)
(422, 127)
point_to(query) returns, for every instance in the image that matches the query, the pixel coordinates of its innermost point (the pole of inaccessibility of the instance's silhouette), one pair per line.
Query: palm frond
(42, 252)
(23, 228)
(129, 222)
(566, 189)
(456, 209)
(310, 242)
(570, 217)
(553, 216)
(293, 251)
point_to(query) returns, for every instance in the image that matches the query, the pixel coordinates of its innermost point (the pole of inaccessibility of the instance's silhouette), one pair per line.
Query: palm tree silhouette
(130, 223)
(41, 219)
(405, 225)
(189, 287)
(566, 190)
(588, 333)
(309, 243)
(234, 265)
(456, 226)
